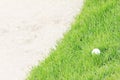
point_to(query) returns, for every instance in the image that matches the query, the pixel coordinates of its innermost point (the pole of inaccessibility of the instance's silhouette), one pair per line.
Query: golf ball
(96, 51)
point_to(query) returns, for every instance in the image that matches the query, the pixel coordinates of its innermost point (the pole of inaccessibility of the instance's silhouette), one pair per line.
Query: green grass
(97, 26)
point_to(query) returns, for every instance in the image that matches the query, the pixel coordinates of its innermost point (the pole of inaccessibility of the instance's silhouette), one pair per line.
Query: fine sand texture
(28, 30)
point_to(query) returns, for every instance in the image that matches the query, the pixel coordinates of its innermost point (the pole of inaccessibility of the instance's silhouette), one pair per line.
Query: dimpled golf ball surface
(96, 51)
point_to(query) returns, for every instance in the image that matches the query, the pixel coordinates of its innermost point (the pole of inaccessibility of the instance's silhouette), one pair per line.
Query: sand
(28, 30)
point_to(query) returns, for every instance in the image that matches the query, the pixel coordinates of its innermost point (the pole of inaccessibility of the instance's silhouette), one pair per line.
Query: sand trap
(28, 29)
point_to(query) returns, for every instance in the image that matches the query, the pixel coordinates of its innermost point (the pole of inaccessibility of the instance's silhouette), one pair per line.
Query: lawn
(97, 26)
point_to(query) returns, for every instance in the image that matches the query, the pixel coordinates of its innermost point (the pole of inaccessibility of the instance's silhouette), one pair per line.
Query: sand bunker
(28, 29)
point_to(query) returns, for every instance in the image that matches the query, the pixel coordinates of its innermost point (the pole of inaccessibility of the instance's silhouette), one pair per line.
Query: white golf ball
(96, 51)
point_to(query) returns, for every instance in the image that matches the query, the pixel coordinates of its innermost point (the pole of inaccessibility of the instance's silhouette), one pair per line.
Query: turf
(97, 26)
